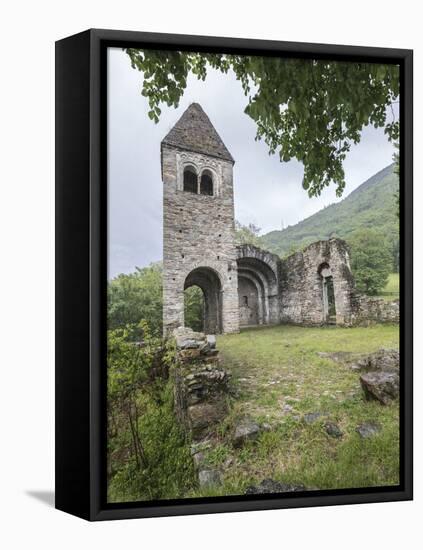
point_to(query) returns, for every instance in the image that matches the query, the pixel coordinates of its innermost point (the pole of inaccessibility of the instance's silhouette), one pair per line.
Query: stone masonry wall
(301, 294)
(261, 268)
(201, 386)
(198, 232)
(368, 310)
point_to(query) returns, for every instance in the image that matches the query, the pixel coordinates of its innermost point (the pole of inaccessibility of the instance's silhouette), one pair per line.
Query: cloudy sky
(267, 192)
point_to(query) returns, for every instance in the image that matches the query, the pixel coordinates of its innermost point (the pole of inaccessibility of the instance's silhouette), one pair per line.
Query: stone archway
(258, 289)
(208, 280)
(250, 300)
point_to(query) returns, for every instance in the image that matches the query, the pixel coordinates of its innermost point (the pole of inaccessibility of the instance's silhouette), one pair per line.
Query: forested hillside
(371, 205)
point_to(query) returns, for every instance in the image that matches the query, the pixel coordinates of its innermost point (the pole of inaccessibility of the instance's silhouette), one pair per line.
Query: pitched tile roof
(195, 132)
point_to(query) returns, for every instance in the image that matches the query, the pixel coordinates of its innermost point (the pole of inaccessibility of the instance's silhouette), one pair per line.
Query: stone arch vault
(258, 286)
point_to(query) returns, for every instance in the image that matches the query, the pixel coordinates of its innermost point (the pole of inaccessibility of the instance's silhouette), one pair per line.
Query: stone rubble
(268, 486)
(245, 430)
(386, 360)
(333, 430)
(201, 384)
(380, 386)
(209, 477)
(368, 429)
(310, 418)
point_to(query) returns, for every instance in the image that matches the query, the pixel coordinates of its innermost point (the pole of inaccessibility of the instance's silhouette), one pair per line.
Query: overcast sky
(267, 192)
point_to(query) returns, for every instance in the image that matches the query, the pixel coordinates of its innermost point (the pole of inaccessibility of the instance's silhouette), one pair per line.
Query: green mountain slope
(371, 205)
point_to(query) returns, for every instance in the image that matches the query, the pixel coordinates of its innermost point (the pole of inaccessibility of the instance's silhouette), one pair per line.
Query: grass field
(278, 377)
(391, 290)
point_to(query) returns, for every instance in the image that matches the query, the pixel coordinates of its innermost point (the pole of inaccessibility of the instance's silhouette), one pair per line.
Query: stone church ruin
(242, 285)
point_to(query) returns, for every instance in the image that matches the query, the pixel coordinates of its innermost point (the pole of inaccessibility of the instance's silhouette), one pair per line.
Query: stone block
(203, 416)
(245, 430)
(380, 386)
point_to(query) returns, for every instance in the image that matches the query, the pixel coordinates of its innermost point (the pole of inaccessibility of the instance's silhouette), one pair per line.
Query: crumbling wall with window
(317, 286)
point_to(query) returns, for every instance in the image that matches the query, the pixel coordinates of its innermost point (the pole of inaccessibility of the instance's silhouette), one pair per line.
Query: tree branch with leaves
(304, 109)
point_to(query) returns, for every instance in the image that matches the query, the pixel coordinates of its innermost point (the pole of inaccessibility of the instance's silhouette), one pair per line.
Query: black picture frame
(81, 262)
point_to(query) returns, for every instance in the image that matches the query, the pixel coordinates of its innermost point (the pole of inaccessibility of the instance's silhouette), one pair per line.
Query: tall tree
(310, 110)
(371, 260)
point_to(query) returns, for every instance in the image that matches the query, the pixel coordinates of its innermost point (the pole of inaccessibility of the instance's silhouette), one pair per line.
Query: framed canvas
(233, 274)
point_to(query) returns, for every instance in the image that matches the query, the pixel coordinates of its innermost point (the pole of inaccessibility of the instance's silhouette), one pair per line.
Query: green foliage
(397, 172)
(370, 260)
(372, 205)
(218, 454)
(194, 308)
(169, 472)
(135, 297)
(311, 110)
(148, 457)
(247, 234)
(138, 296)
(392, 288)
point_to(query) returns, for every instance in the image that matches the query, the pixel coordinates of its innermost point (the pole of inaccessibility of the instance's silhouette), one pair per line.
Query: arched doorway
(194, 308)
(328, 294)
(208, 281)
(257, 292)
(249, 301)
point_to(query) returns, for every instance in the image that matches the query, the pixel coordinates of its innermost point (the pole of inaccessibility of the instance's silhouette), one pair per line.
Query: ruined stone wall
(201, 385)
(243, 284)
(260, 268)
(301, 284)
(198, 232)
(367, 310)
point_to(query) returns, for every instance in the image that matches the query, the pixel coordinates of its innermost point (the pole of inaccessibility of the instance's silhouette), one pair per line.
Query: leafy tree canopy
(370, 260)
(372, 205)
(310, 110)
(397, 172)
(247, 234)
(136, 297)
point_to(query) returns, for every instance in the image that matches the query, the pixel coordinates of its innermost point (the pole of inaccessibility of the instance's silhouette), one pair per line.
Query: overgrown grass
(274, 367)
(148, 454)
(391, 290)
(168, 472)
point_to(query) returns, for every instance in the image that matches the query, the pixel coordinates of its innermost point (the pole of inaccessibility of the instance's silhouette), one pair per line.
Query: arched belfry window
(206, 183)
(190, 180)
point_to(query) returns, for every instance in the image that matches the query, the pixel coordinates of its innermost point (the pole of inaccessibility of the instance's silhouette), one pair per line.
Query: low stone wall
(375, 310)
(201, 385)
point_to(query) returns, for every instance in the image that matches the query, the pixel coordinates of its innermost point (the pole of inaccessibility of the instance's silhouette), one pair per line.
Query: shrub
(148, 457)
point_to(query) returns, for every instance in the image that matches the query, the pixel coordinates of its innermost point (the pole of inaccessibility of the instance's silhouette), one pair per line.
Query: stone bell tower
(198, 223)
